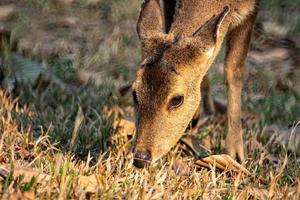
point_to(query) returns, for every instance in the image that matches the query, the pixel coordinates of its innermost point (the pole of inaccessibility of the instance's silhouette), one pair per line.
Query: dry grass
(64, 141)
(112, 175)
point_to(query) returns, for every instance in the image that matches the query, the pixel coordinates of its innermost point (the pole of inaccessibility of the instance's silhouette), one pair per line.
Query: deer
(180, 39)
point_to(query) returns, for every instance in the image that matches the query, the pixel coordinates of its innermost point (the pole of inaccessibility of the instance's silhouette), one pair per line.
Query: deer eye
(135, 98)
(176, 102)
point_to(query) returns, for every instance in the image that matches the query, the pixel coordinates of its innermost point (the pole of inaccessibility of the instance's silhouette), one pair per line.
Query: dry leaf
(92, 183)
(28, 173)
(223, 162)
(88, 76)
(2, 160)
(67, 22)
(19, 196)
(273, 28)
(124, 127)
(113, 112)
(209, 141)
(6, 11)
(24, 153)
(268, 56)
(257, 193)
(180, 168)
(88, 183)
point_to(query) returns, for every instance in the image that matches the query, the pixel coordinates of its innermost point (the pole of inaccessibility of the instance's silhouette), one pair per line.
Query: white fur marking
(210, 52)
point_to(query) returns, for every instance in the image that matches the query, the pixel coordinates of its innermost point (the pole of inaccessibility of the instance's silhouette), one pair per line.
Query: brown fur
(175, 63)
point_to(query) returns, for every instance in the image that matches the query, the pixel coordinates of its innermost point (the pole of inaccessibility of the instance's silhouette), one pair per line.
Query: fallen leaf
(113, 112)
(222, 162)
(270, 55)
(28, 173)
(273, 28)
(2, 160)
(180, 168)
(209, 142)
(67, 22)
(92, 183)
(17, 195)
(88, 183)
(88, 76)
(6, 11)
(257, 193)
(124, 127)
(24, 153)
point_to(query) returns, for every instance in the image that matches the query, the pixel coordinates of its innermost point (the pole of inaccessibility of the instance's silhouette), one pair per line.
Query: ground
(66, 126)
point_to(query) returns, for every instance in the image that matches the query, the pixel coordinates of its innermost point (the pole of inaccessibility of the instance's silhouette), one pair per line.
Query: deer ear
(150, 20)
(211, 29)
(150, 31)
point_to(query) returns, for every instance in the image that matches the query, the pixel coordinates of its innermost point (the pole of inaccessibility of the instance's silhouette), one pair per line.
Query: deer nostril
(141, 159)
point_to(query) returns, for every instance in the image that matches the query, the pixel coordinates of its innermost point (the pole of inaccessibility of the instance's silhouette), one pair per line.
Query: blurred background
(76, 59)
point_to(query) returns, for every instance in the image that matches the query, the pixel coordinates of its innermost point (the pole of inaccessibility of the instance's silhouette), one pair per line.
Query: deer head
(166, 91)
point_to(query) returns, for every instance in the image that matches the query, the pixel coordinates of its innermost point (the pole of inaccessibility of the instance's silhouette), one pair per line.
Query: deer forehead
(153, 78)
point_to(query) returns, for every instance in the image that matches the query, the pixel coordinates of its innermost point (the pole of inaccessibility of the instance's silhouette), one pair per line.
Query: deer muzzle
(141, 159)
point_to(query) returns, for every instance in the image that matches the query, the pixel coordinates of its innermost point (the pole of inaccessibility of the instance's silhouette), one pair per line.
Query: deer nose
(141, 159)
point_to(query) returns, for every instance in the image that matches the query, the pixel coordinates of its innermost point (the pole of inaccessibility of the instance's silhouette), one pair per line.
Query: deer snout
(141, 158)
